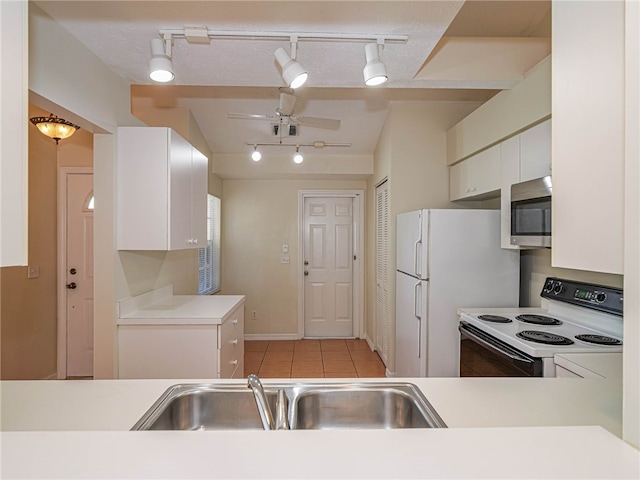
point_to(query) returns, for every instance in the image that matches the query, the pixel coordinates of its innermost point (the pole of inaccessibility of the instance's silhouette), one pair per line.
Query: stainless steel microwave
(531, 213)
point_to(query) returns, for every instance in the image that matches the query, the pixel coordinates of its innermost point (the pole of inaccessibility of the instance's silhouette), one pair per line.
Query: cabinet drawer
(231, 357)
(232, 325)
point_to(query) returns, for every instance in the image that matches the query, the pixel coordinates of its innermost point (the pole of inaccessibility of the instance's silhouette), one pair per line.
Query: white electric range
(575, 317)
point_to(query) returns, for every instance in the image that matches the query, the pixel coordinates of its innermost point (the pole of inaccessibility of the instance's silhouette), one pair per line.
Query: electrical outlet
(285, 248)
(254, 314)
(285, 259)
(33, 271)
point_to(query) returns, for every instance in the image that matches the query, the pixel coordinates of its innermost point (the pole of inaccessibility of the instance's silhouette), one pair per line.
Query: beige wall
(29, 306)
(411, 154)
(258, 217)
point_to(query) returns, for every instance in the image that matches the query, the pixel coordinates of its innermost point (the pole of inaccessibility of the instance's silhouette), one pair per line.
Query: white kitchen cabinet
(588, 365)
(183, 336)
(509, 174)
(588, 82)
(535, 151)
(161, 191)
(476, 177)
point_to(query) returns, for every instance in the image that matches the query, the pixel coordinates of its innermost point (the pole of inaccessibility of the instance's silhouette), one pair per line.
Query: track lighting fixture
(375, 72)
(293, 73)
(160, 66)
(297, 157)
(256, 155)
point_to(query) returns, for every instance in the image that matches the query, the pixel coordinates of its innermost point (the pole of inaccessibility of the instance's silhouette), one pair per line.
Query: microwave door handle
(494, 348)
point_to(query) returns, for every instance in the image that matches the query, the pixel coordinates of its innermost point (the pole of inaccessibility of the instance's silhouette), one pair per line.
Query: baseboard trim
(271, 336)
(53, 376)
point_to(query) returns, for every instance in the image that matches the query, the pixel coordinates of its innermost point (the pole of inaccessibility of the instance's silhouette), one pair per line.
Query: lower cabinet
(185, 350)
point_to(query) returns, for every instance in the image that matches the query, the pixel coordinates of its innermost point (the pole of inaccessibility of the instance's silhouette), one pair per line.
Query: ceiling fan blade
(249, 116)
(327, 123)
(287, 103)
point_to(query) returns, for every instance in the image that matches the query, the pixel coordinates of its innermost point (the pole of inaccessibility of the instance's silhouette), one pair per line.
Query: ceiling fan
(284, 114)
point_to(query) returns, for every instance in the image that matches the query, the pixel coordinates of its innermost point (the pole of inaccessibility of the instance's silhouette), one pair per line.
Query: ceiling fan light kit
(294, 74)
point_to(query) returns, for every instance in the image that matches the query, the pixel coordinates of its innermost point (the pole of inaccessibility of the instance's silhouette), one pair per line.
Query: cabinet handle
(235, 341)
(195, 241)
(234, 362)
(235, 321)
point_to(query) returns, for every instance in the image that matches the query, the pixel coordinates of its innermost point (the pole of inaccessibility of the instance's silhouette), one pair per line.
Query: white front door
(328, 269)
(79, 275)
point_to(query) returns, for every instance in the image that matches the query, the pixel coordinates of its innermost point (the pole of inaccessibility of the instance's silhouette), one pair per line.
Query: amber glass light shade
(54, 127)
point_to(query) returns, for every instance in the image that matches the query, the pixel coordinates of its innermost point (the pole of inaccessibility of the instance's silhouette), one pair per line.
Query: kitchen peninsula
(80, 429)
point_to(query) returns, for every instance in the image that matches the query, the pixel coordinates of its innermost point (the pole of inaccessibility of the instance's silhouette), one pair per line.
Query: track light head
(298, 158)
(256, 156)
(293, 73)
(375, 72)
(160, 66)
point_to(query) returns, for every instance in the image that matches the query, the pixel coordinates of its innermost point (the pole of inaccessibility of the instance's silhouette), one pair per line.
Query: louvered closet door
(383, 329)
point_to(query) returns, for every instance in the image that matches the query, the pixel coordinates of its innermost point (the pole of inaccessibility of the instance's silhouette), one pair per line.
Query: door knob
(306, 262)
(71, 286)
(73, 271)
(306, 273)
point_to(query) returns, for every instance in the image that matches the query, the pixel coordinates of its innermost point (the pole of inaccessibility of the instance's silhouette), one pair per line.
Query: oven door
(482, 355)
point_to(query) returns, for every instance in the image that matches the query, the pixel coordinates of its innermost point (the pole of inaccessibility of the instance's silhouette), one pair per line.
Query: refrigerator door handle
(416, 258)
(416, 300)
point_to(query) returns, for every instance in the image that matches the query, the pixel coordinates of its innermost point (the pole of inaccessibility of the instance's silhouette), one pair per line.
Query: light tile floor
(311, 359)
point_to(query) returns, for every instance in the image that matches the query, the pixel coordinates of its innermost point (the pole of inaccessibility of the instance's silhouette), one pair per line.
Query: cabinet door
(199, 182)
(588, 82)
(535, 152)
(510, 174)
(476, 176)
(180, 193)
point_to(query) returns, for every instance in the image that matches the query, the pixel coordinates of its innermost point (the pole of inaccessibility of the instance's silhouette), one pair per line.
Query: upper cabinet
(588, 135)
(161, 191)
(476, 177)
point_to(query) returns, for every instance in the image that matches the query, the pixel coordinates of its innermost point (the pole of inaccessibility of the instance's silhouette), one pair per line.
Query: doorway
(75, 272)
(330, 264)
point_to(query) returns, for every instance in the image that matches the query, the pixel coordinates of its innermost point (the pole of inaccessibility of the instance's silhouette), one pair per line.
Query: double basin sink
(359, 405)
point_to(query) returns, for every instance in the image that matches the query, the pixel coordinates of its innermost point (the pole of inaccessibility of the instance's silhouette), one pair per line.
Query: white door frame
(358, 252)
(63, 173)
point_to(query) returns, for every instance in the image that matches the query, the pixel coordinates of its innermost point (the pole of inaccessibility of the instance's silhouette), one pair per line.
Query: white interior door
(328, 257)
(383, 317)
(79, 275)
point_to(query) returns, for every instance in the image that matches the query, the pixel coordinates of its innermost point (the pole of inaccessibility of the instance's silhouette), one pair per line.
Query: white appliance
(575, 317)
(446, 259)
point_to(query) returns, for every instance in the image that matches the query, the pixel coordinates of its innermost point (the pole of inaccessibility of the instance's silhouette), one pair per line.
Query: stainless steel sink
(362, 406)
(204, 407)
(357, 405)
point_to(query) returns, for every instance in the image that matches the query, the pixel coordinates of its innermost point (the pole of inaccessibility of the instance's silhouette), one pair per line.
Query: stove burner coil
(494, 318)
(544, 337)
(599, 339)
(538, 319)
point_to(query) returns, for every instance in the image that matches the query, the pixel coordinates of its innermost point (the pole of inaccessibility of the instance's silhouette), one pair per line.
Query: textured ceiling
(242, 76)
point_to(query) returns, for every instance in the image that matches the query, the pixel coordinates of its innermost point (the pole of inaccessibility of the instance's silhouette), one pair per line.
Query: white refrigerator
(446, 259)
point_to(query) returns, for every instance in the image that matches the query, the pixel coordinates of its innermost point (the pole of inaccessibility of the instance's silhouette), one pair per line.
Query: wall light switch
(284, 259)
(285, 248)
(33, 271)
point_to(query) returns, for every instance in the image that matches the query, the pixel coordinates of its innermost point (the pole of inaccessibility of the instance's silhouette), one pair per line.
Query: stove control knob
(600, 297)
(558, 288)
(548, 287)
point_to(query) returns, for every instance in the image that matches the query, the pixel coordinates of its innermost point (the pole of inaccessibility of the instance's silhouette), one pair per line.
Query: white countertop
(78, 429)
(161, 307)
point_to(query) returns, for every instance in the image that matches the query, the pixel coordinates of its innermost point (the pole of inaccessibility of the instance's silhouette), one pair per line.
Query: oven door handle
(476, 335)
